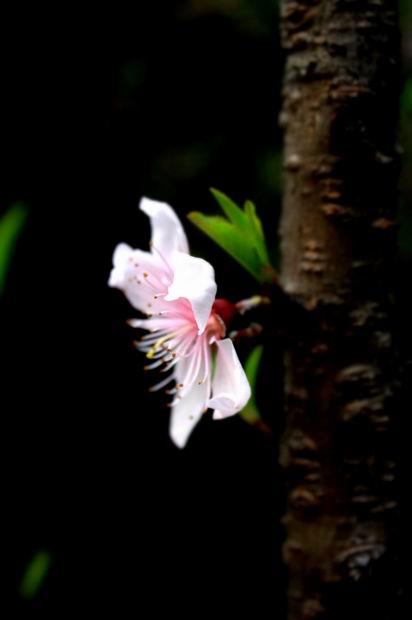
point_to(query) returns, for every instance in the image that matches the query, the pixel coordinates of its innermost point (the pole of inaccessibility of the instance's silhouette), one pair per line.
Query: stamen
(157, 345)
(174, 390)
(187, 346)
(161, 384)
(133, 323)
(248, 304)
(155, 356)
(155, 364)
(170, 365)
(167, 337)
(174, 402)
(153, 338)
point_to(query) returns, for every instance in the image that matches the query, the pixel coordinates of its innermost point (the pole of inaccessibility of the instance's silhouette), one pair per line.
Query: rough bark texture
(339, 450)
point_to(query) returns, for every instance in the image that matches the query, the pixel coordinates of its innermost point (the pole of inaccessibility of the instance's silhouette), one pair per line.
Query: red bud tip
(225, 309)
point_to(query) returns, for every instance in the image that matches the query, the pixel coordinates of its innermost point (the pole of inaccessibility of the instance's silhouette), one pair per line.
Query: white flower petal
(168, 235)
(194, 280)
(187, 412)
(230, 387)
(141, 276)
(121, 255)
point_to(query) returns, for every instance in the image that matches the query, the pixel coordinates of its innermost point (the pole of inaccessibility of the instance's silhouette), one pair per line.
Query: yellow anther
(157, 345)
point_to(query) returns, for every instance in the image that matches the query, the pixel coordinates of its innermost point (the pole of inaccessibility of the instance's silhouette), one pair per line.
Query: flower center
(163, 342)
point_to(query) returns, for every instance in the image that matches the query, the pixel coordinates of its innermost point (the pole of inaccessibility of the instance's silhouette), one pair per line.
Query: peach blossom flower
(177, 292)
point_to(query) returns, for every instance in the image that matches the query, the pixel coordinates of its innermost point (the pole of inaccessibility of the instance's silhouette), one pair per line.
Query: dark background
(97, 110)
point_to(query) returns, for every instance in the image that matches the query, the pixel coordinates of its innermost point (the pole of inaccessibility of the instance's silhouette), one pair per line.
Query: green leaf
(240, 235)
(11, 225)
(230, 239)
(231, 209)
(250, 413)
(35, 573)
(258, 237)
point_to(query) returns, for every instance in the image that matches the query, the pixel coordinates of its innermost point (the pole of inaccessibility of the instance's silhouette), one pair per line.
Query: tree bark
(339, 447)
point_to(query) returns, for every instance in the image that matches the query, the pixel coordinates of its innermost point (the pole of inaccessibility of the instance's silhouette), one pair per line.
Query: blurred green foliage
(406, 99)
(248, 15)
(35, 574)
(11, 224)
(250, 413)
(405, 9)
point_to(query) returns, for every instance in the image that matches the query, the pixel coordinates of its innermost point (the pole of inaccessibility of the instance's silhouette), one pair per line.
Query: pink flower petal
(194, 280)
